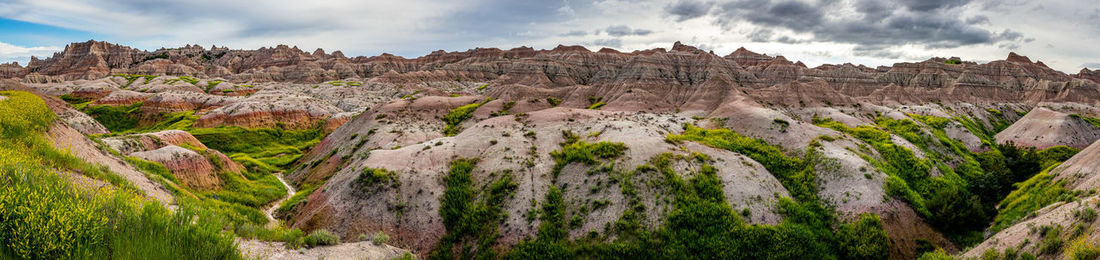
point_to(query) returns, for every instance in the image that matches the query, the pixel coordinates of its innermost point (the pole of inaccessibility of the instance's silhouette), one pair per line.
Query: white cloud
(10, 53)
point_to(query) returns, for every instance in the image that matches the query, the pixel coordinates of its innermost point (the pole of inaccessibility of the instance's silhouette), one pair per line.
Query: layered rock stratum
(389, 112)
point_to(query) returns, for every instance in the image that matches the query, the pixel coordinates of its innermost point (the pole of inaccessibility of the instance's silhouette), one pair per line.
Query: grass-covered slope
(45, 216)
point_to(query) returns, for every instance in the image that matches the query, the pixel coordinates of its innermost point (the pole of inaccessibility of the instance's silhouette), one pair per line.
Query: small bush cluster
(456, 116)
(553, 101)
(321, 237)
(577, 151)
(371, 177)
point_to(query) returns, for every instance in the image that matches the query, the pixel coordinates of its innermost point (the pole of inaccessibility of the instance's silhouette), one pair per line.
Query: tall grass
(45, 216)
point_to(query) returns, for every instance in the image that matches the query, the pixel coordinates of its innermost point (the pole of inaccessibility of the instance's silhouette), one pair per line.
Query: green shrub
(1088, 215)
(1051, 241)
(322, 237)
(864, 239)
(553, 101)
(380, 238)
(371, 177)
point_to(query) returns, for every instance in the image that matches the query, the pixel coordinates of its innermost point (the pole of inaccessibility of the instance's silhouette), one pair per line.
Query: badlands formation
(575, 153)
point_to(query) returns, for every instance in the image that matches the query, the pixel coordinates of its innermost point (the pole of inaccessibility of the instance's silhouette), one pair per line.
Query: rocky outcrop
(1093, 75)
(271, 109)
(934, 80)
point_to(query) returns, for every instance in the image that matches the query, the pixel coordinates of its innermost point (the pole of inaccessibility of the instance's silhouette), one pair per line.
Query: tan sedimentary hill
(501, 143)
(1011, 80)
(195, 166)
(405, 136)
(1043, 128)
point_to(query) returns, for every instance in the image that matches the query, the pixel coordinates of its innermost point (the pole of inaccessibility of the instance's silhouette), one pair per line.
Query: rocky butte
(663, 152)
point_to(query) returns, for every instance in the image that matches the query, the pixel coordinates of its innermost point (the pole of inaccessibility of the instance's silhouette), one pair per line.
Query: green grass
(1029, 196)
(270, 146)
(322, 237)
(43, 215)
(252, 193)
(115, 118)
(456, 116)
(796, 174)
(260, 150)
(25, 116)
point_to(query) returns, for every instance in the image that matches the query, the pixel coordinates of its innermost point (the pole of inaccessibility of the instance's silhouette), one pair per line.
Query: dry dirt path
(270, 211)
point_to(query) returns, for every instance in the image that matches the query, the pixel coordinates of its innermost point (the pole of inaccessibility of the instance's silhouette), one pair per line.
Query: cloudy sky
(1063, 34)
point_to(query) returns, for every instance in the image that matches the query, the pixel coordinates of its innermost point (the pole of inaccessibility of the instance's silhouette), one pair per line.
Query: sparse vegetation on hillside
(701, 225)
(947, 201)
(1091, 120)
(962, 200)
(370, 177)
(130, 78)
(595, 103)
(796, 174)
(553, 101)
